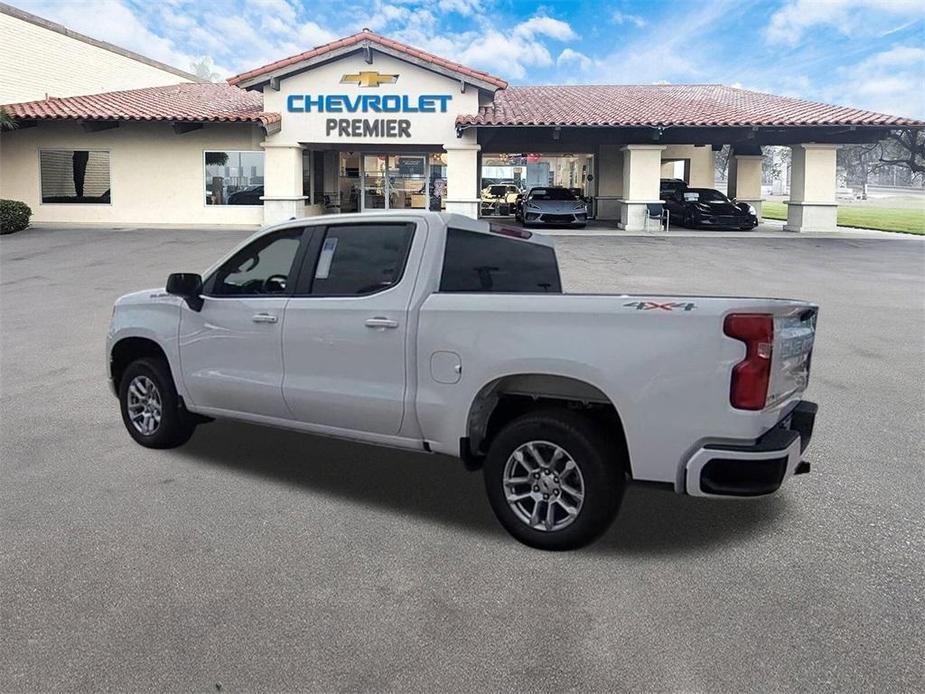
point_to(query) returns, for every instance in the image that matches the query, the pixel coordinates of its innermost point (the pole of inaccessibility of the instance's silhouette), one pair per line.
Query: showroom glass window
(261, 268)
(358, 259)
(474, 262)
(234, 178)
(75, 176)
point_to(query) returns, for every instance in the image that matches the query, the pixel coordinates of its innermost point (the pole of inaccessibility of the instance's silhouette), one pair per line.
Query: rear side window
(357, 259)
(476, 262)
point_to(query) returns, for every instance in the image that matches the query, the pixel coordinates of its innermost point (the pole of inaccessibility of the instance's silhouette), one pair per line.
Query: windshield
(552, 194)
(498, 190)
(704, 195)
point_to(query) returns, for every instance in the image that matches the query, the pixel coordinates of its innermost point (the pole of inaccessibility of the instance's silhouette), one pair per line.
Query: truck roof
(441, 219)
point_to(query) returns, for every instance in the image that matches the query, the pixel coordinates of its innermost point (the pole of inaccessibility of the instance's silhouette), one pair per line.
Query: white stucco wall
(38, 61)
(701, 163)
(156, 176)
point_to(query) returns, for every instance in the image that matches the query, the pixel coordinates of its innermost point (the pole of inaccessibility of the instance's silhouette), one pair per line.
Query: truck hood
(145, 296)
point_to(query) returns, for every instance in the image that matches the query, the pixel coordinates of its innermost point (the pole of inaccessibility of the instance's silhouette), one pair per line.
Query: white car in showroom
(432, 332)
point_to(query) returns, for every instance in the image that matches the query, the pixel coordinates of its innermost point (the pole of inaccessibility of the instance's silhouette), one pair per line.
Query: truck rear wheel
(150, 406)
(553, 479)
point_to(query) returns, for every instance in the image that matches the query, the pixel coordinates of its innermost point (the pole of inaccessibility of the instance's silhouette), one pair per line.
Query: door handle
(381, 323)
(264, 318)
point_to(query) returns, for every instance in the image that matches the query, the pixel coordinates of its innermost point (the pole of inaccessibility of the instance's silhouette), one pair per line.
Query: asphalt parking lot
(254, 559)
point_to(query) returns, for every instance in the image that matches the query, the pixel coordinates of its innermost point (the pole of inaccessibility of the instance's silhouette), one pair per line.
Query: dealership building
(367, 123)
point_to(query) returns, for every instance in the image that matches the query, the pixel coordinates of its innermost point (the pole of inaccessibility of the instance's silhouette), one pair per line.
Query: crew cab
(433, 332)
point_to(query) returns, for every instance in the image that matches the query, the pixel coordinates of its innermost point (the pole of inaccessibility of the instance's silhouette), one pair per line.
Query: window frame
(497, 237)
(205, 187)
(305, 280)
(73, 149)
(307, 234)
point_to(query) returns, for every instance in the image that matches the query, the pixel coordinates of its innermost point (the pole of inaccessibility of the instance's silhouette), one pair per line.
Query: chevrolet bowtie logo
(369, 78)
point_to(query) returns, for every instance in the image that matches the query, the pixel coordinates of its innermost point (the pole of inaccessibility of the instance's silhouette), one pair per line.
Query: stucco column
(282, 183)
(642, 167)
(462, 176)
(745, 179)
(812, 205)
(703, 167)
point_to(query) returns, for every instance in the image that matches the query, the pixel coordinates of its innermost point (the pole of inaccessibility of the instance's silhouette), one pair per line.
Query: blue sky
(865, 53)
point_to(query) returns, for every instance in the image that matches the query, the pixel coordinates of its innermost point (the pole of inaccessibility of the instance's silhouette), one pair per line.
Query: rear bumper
(757, 469)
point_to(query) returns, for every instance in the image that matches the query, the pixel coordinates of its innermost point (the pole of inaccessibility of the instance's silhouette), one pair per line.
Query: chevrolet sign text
(368, 103)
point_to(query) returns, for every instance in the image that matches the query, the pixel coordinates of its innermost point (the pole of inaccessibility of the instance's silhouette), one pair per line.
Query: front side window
(474, 262)
(261, 268)
(234, 178)
(75, 176)
(357, 259)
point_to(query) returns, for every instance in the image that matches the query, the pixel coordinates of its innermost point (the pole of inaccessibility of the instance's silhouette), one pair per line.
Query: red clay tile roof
(704, 105)
(194, 103)
(372, 37)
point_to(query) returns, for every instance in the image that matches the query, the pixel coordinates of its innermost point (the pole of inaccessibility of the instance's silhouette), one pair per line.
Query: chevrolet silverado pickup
(435, 332)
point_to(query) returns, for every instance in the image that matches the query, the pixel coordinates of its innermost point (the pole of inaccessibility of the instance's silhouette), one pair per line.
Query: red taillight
(751, 376)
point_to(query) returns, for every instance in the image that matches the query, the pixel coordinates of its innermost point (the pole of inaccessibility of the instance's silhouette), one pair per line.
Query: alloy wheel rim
(543, 485)
(144, 405)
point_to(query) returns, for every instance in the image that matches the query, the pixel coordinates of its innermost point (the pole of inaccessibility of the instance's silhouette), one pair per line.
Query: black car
(667, 186)
(708, 208)
(248, 196)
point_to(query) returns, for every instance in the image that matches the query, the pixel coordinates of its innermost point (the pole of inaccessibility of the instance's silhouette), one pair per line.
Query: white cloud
(848, 17)
(619, 17)
(680, 53)
(115, 22)
(545, 26)
(508, 52)
(892, 81)
(568, 58)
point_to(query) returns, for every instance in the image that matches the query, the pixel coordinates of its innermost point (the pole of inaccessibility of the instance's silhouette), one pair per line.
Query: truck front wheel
(151, 409)
(553, 479)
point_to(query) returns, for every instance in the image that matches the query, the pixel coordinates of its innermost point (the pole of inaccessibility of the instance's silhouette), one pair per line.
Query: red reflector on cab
(751, 376)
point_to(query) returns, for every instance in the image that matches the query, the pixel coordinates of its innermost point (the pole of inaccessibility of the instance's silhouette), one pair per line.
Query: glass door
(407, 181)
(395, 181)
(375, 182)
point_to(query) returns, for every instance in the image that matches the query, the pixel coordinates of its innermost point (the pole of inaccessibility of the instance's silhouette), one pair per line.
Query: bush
(14, 216)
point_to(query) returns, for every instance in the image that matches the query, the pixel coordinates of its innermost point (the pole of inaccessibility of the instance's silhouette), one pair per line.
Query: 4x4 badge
(654, 305)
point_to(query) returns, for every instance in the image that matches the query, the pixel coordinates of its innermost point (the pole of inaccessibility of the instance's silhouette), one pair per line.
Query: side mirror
(187, 285)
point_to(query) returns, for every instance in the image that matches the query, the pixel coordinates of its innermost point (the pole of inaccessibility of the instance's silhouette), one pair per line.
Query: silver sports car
(552, 205)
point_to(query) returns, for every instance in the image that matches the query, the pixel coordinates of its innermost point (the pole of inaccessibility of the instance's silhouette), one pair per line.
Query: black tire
(599, 463)
(176, 425)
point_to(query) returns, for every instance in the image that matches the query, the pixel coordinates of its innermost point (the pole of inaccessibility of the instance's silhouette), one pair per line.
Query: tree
(202, 68)
(216, 158)
(721, 162)
(7, 122)
(901, 149)
(905, 148)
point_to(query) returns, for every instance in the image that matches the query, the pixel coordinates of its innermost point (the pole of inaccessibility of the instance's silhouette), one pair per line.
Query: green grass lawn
(907, 221)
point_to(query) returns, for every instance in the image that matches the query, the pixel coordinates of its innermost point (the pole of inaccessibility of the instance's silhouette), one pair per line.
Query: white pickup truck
(434, 332)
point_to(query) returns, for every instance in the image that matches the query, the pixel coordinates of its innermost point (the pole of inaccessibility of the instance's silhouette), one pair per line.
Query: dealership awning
(666, 106)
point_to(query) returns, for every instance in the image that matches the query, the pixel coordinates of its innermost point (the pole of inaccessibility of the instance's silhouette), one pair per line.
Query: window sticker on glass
(691, 197)
(324, 260)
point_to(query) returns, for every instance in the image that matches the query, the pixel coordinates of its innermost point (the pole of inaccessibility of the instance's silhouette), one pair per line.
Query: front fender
(158, 320)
